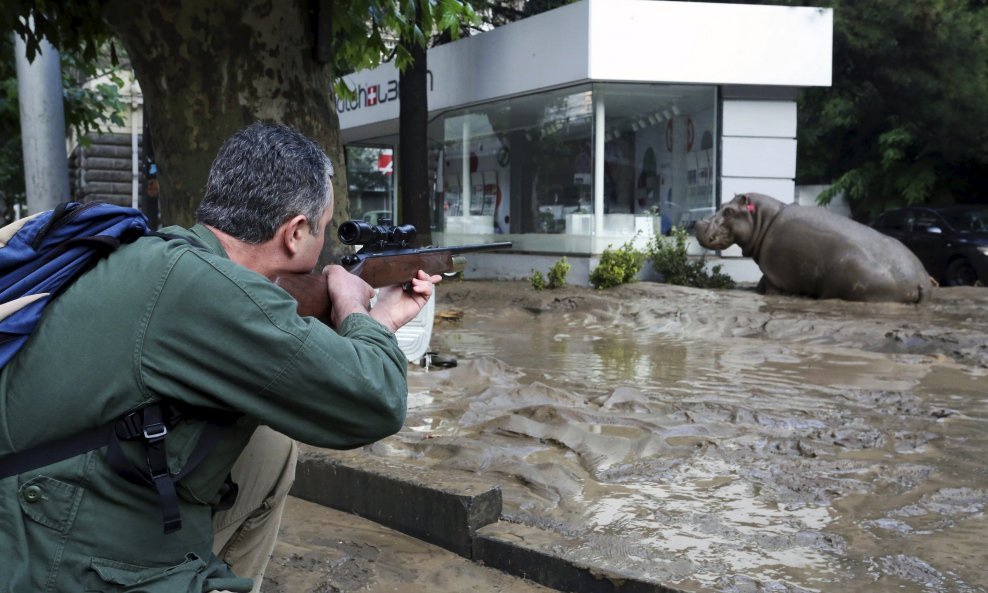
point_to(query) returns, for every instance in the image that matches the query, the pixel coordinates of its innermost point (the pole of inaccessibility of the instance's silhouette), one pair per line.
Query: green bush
(619, 266)
(537, 280)
(557, 273)
(669, 258)
(557, 276)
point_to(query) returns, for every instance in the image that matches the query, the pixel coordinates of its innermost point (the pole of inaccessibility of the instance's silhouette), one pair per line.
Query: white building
(599, 122)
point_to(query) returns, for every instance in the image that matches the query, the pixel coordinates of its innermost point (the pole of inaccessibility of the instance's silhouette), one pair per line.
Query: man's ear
(292, 233)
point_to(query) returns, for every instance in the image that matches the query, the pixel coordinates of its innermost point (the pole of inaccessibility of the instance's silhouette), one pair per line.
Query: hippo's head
(733, 223)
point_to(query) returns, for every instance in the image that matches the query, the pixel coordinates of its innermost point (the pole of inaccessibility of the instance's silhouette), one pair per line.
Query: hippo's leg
(765, 286)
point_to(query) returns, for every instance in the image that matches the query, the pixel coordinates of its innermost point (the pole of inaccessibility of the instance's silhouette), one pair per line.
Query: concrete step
(458, 513)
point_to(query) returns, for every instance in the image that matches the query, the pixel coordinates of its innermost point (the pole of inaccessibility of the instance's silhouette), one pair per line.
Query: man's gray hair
(262, 176)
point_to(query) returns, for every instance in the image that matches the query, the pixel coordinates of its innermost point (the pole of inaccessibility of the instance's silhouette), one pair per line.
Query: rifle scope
(358, 232)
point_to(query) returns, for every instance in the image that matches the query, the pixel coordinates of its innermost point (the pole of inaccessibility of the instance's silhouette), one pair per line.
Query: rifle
(386, 257)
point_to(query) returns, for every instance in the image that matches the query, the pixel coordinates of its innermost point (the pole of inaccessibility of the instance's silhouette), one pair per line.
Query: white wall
(693, 42)
(611, 40)
(758, 150)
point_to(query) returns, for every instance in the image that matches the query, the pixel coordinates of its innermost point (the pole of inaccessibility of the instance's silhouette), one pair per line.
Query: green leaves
(370, 32)
(617, 266)
(906, 119)
(76, 26)
(894, 146)
(92, 107)
(670, 258)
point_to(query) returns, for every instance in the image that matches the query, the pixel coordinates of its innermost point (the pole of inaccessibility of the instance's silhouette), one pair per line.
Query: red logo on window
(385, 164)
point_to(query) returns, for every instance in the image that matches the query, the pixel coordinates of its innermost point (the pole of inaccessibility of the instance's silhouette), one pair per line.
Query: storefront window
(659, 153)
(519, 167)
(370, 179)
(528, 166)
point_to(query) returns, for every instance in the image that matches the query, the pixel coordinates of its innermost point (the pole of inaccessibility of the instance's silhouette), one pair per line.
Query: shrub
(557, 273)
(669, 258)
(617, 266)
(557, 276)
(537, 280)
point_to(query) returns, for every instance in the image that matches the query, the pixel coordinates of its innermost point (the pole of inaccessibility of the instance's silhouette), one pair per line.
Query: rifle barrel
(452, 250)
(475, 247)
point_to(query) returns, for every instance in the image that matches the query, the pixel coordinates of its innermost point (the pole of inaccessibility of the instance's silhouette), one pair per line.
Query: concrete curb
(545, 558)
(424, 505)
(458, 513)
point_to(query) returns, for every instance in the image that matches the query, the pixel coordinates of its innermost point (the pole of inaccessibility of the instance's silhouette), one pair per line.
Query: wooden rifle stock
(379, 268)
(310, 291)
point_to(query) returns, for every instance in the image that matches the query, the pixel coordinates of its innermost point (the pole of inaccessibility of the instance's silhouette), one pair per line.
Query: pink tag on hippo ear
(751, 207)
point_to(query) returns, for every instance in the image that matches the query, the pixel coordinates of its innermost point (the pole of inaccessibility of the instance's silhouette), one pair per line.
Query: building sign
(372, 95)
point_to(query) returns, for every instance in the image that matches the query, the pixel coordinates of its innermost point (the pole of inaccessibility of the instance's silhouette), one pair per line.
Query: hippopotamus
(810, 251)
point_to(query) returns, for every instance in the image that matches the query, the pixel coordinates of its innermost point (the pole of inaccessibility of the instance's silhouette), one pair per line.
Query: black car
(950, 240)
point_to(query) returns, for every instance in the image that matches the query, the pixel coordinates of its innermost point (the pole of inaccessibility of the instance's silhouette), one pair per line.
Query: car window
(894, 220)
(925, 220)
(975, 219)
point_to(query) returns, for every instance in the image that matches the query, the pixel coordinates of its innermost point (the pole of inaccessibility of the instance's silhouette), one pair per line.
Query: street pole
(46, 164)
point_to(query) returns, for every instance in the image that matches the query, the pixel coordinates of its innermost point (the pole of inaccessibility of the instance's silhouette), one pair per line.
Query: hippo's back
(861, 256)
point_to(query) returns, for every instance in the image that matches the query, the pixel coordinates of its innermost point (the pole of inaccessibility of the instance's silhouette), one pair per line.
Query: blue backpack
(42, 254)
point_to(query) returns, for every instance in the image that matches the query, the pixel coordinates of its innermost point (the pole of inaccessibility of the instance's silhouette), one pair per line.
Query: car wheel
(960, 273)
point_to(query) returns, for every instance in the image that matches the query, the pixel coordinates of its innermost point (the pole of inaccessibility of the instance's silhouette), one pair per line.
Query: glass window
(527, 166)
(967, 218)
(370, 182)
(925, 219)
(894, 220)
(659, 153)
(522, 167)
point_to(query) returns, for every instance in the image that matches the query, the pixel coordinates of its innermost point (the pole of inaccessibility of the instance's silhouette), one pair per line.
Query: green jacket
(166, 319)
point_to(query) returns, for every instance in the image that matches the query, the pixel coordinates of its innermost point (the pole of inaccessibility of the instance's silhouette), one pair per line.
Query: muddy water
(722, 441)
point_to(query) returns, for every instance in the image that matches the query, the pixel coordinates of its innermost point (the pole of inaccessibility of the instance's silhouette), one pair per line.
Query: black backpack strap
(149, 424)
(153, 433)
(52, 451)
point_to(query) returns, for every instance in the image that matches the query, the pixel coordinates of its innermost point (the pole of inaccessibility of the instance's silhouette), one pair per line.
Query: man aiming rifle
(203, 372)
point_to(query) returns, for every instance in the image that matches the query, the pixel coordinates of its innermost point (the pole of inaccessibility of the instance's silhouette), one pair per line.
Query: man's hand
(348, 294)
(396, 306)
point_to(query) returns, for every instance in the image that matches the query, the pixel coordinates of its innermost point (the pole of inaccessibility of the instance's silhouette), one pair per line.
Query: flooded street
(721, 440)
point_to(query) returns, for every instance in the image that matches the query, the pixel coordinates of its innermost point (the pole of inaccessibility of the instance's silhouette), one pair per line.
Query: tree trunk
(208, 68)
(413, 145)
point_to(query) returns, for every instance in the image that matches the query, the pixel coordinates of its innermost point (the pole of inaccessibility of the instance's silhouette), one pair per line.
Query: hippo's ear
(745, 201)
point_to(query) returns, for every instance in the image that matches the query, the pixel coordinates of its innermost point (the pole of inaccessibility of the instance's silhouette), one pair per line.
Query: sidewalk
(321, 550)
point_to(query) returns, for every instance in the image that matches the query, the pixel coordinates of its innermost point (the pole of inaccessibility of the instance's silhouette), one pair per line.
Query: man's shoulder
(197, 237)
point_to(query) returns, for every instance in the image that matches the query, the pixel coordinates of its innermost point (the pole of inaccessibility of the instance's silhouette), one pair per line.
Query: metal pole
(598, 163)
(465, 170)
(46, 162)
(135, 161)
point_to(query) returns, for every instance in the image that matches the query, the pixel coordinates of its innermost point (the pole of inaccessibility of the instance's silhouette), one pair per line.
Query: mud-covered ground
(721, 440)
